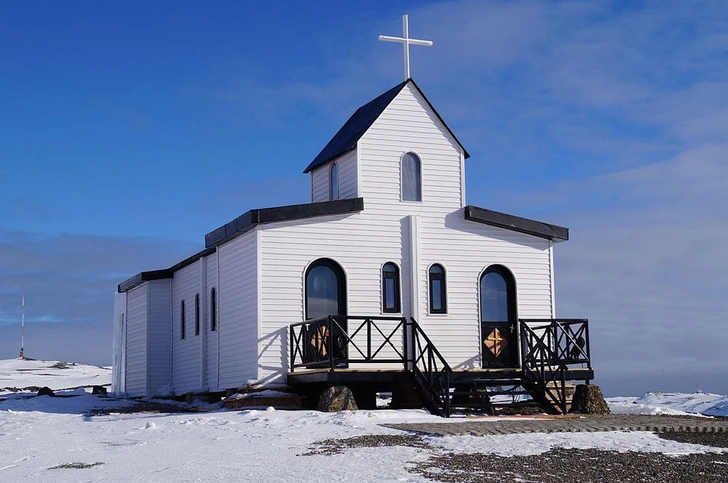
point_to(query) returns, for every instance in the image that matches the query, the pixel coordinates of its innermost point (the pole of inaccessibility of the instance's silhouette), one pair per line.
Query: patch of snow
(38, 433)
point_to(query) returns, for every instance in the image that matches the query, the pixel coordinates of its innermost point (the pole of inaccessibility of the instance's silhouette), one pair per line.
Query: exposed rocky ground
(557, 465)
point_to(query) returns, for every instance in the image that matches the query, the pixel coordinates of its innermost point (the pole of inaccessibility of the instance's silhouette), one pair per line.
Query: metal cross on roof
(406, 42)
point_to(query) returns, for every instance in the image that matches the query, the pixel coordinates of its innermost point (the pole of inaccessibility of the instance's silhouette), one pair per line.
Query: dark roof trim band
(516, 223)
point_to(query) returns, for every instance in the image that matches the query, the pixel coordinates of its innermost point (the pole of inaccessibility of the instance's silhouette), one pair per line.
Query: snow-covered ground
(44, 437)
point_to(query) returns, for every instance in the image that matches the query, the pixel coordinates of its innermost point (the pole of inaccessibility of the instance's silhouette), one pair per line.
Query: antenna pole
(22, 323)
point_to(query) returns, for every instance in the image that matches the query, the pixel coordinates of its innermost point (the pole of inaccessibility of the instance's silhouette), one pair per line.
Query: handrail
(431, 370)
(549, 347)
(335, 341)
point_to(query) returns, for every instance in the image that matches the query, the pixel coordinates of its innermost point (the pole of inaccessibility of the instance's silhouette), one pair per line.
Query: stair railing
(431, 371)
(549, 347)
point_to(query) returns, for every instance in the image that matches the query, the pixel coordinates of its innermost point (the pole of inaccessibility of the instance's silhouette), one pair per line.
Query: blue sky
(128, 132)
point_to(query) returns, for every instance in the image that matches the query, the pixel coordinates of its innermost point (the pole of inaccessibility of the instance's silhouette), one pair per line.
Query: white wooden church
(387, 241)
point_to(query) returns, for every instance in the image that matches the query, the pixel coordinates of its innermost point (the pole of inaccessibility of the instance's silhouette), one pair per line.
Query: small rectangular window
(213, 310)
(438, 290)
(197, 314)
(182, 319)
(390, 288)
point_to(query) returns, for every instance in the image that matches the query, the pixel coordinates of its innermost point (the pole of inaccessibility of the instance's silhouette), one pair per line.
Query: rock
(46, 391)
(588, 399)
(99, 391)
(337, 398)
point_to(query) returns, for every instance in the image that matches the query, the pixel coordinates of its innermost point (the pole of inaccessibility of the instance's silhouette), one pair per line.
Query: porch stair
(549, 351)
(553, 353)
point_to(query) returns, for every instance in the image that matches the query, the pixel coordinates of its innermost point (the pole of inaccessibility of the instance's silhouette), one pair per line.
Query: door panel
(499, 341)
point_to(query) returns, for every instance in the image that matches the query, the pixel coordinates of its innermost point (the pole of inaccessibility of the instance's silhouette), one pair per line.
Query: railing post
(405, 345)
(369, 339)
(330, 340)
(290, 344)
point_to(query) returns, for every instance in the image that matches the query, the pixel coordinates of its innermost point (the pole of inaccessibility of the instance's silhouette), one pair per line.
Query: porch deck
(380, 353)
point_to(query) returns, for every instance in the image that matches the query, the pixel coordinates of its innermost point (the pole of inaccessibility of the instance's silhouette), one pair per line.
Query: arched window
(390, 289)
(213, 310)
(411, 178)
(497, 295)
(438, 292)
(325, 289)
(182, 319)
(334, 182)
(197, 314)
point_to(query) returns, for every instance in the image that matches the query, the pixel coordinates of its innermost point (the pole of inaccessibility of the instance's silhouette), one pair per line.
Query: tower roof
(359, 123)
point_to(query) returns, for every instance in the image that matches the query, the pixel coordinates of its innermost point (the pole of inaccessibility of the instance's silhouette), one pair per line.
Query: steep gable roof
(345, 140)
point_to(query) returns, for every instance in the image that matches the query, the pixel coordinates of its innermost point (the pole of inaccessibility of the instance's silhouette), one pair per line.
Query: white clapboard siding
(160, 333)
(408, 125)
(347, 176)
(465, 250)
(238, 311)
(185, 352)
(212, 337)
(136, 341)
(357, 242)
(347, 169)
(118, 357)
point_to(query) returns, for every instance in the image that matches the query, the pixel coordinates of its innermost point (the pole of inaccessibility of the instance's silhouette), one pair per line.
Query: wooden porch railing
(550, 347)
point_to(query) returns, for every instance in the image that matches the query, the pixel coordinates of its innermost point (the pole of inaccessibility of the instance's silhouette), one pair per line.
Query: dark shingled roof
(345, 140)
(245, 223)
(516, 223)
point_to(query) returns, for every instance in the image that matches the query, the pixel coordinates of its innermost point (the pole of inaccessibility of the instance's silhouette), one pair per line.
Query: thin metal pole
(22, 323)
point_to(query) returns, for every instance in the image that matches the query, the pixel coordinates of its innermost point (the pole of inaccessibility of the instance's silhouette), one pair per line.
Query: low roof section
(245, 223)
(516, 223)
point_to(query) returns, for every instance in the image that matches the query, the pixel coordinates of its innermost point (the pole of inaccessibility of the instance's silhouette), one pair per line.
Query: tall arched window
(438, 292)
(213, 310)
(325, 289)
(334, 182)
(182, 319)
(390, 289)
(411, 177)
(197, 314)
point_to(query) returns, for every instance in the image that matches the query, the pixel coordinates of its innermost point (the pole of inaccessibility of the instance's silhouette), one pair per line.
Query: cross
(495, 342)
(406, 42)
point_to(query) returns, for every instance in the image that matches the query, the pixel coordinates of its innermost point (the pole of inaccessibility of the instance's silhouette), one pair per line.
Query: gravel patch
(557, 465)
(336, 446)
(570, 465)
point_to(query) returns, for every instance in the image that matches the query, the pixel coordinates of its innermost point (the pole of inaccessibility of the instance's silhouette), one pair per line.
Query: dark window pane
(436, 295)
(411, 178)
(213, 310)
(322, 292)
(493, 298)
(334, 182)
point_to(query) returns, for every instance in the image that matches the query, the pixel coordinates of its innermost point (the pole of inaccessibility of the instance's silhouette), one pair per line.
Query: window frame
(391, 275)
(182, 322)
(197, 314)
(213, 309)
(405, 180)
(440, 276)
(341, 288)
(333, 181)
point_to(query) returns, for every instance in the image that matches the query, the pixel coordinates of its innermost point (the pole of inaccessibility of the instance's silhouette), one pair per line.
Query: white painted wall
(213, 339)
(118, 355)
(348, 187)
(238, 310)
(136, 341)
(159, 351)
(185, 352)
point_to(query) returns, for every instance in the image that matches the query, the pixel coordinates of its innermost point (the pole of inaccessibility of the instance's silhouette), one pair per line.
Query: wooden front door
(498, 333)
(326, 295)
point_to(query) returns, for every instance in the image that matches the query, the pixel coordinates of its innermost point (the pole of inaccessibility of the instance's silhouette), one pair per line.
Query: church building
(387, 250)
